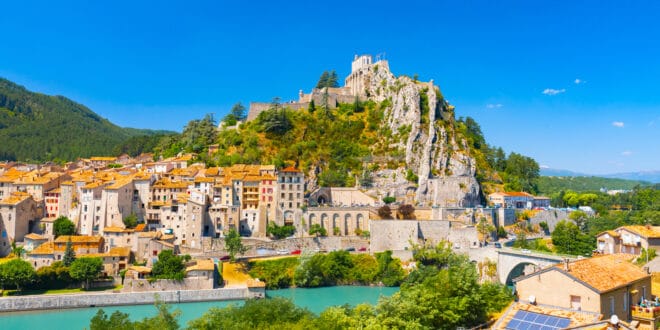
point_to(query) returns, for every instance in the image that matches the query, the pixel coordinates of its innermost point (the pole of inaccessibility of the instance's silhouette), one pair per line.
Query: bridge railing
(554, 254)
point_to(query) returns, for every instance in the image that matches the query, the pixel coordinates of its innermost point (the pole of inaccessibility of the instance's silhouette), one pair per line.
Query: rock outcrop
(434, 153)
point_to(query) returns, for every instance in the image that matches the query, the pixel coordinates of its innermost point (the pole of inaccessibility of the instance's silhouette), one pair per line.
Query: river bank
(66, 301)
(316, 300)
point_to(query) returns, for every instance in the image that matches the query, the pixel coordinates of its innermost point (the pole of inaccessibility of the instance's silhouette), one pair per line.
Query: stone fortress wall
(354, 88)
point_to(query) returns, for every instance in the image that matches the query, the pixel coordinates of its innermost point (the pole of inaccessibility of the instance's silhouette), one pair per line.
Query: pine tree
(69, 254)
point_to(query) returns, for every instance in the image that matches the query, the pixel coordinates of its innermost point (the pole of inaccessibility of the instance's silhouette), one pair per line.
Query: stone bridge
(512, 263)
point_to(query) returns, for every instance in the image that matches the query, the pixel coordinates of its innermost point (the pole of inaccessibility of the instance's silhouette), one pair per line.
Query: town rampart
(41, 302)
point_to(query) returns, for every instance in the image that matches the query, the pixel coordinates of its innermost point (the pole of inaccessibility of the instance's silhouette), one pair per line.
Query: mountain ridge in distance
(652, 176)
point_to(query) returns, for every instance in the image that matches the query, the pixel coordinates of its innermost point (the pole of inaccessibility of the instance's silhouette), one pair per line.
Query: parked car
(296, 252)
(362, 249)
(498, 245)
(225, 258)
(350, 249)
(282, 251)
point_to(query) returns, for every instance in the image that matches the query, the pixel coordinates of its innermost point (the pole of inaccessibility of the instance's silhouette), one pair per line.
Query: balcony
(646, 313)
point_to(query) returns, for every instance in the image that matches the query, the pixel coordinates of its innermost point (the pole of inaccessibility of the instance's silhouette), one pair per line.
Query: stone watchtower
(360, 68)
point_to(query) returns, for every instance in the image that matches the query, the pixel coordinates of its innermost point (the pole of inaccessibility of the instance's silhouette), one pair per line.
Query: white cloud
(544, 166)
(551, 91)
(578, 81)
(494, 106)
(627, 153)
(617, 124)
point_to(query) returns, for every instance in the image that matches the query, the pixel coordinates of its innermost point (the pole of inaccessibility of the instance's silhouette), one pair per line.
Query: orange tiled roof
(290, 169)
(202, 264)
(45, 248)
(15, 198)
(34, 236)
(140, 227)
(605, 273)
(79, 239)
(610, 232)
(117, 230)
(646, 231)
(106, 159)
(120, 251)
(166, 183)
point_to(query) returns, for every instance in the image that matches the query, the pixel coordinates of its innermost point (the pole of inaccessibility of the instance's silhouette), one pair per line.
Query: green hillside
(552, 184)
(40, 127)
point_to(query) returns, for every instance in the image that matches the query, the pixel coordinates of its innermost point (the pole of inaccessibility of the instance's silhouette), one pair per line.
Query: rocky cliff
(437, 156)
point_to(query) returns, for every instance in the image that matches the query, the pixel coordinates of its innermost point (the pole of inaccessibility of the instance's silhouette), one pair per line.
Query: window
(611, 305)
(576, 303)
(644, 292)
(625, 301)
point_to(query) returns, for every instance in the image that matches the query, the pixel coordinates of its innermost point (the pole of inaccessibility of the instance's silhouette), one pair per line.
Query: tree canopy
(169, 266)
(63, 226)
(85, 269)
(16, 272)
(328, 79)
(234, 244)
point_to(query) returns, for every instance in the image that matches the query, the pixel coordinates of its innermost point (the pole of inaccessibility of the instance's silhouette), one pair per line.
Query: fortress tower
(360, 68)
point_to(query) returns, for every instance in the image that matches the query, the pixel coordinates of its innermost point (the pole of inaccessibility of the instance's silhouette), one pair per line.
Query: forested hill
(553, 184)
(41, 127)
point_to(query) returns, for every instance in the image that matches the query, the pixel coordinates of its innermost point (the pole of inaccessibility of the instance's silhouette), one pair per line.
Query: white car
(282, 251)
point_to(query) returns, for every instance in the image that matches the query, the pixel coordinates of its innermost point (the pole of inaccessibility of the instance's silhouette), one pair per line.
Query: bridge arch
(512, 263)
(522, 268)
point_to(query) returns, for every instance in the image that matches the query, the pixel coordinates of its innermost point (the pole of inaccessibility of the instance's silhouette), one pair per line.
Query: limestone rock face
(440, 159)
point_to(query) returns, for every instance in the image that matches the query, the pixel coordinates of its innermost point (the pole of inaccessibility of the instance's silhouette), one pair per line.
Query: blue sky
(160, 64)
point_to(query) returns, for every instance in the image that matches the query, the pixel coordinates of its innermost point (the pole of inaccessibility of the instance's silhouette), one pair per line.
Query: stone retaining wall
(39, 302)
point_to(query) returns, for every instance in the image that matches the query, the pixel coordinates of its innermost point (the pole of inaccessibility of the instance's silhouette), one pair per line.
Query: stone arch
(335, 222)
(347, 223)
(288, 217)
(359, 223)
(520, 269)
(311, 220)
(324, 221)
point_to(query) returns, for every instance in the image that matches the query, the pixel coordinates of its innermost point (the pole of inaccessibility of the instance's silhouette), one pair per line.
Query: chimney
(566, 262)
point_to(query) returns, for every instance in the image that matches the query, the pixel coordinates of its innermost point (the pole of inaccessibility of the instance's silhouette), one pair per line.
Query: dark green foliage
(55, 276)
(169, 266)
(63, 226)
(164, 320)
(237, 114)
(16, 273)
(390, 272)
(316, 229)
(280, 232)
(328, 79)
(275, 121)
(69, 255)
(131, 221)
(85, 269)
(276, 273)
(443, 293)
(411, 176)
(501, 232)
(234, 244)
(140, 144)
(521, 173)
(273, 313)
(389, 199)
(116, 321)
(333, 178)
(567, 238)
(40, 127)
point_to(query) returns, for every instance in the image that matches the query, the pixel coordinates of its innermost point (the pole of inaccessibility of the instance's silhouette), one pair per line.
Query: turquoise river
(315, 300)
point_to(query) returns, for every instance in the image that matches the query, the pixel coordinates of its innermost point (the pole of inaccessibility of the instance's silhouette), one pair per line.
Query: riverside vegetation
(443, 292)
